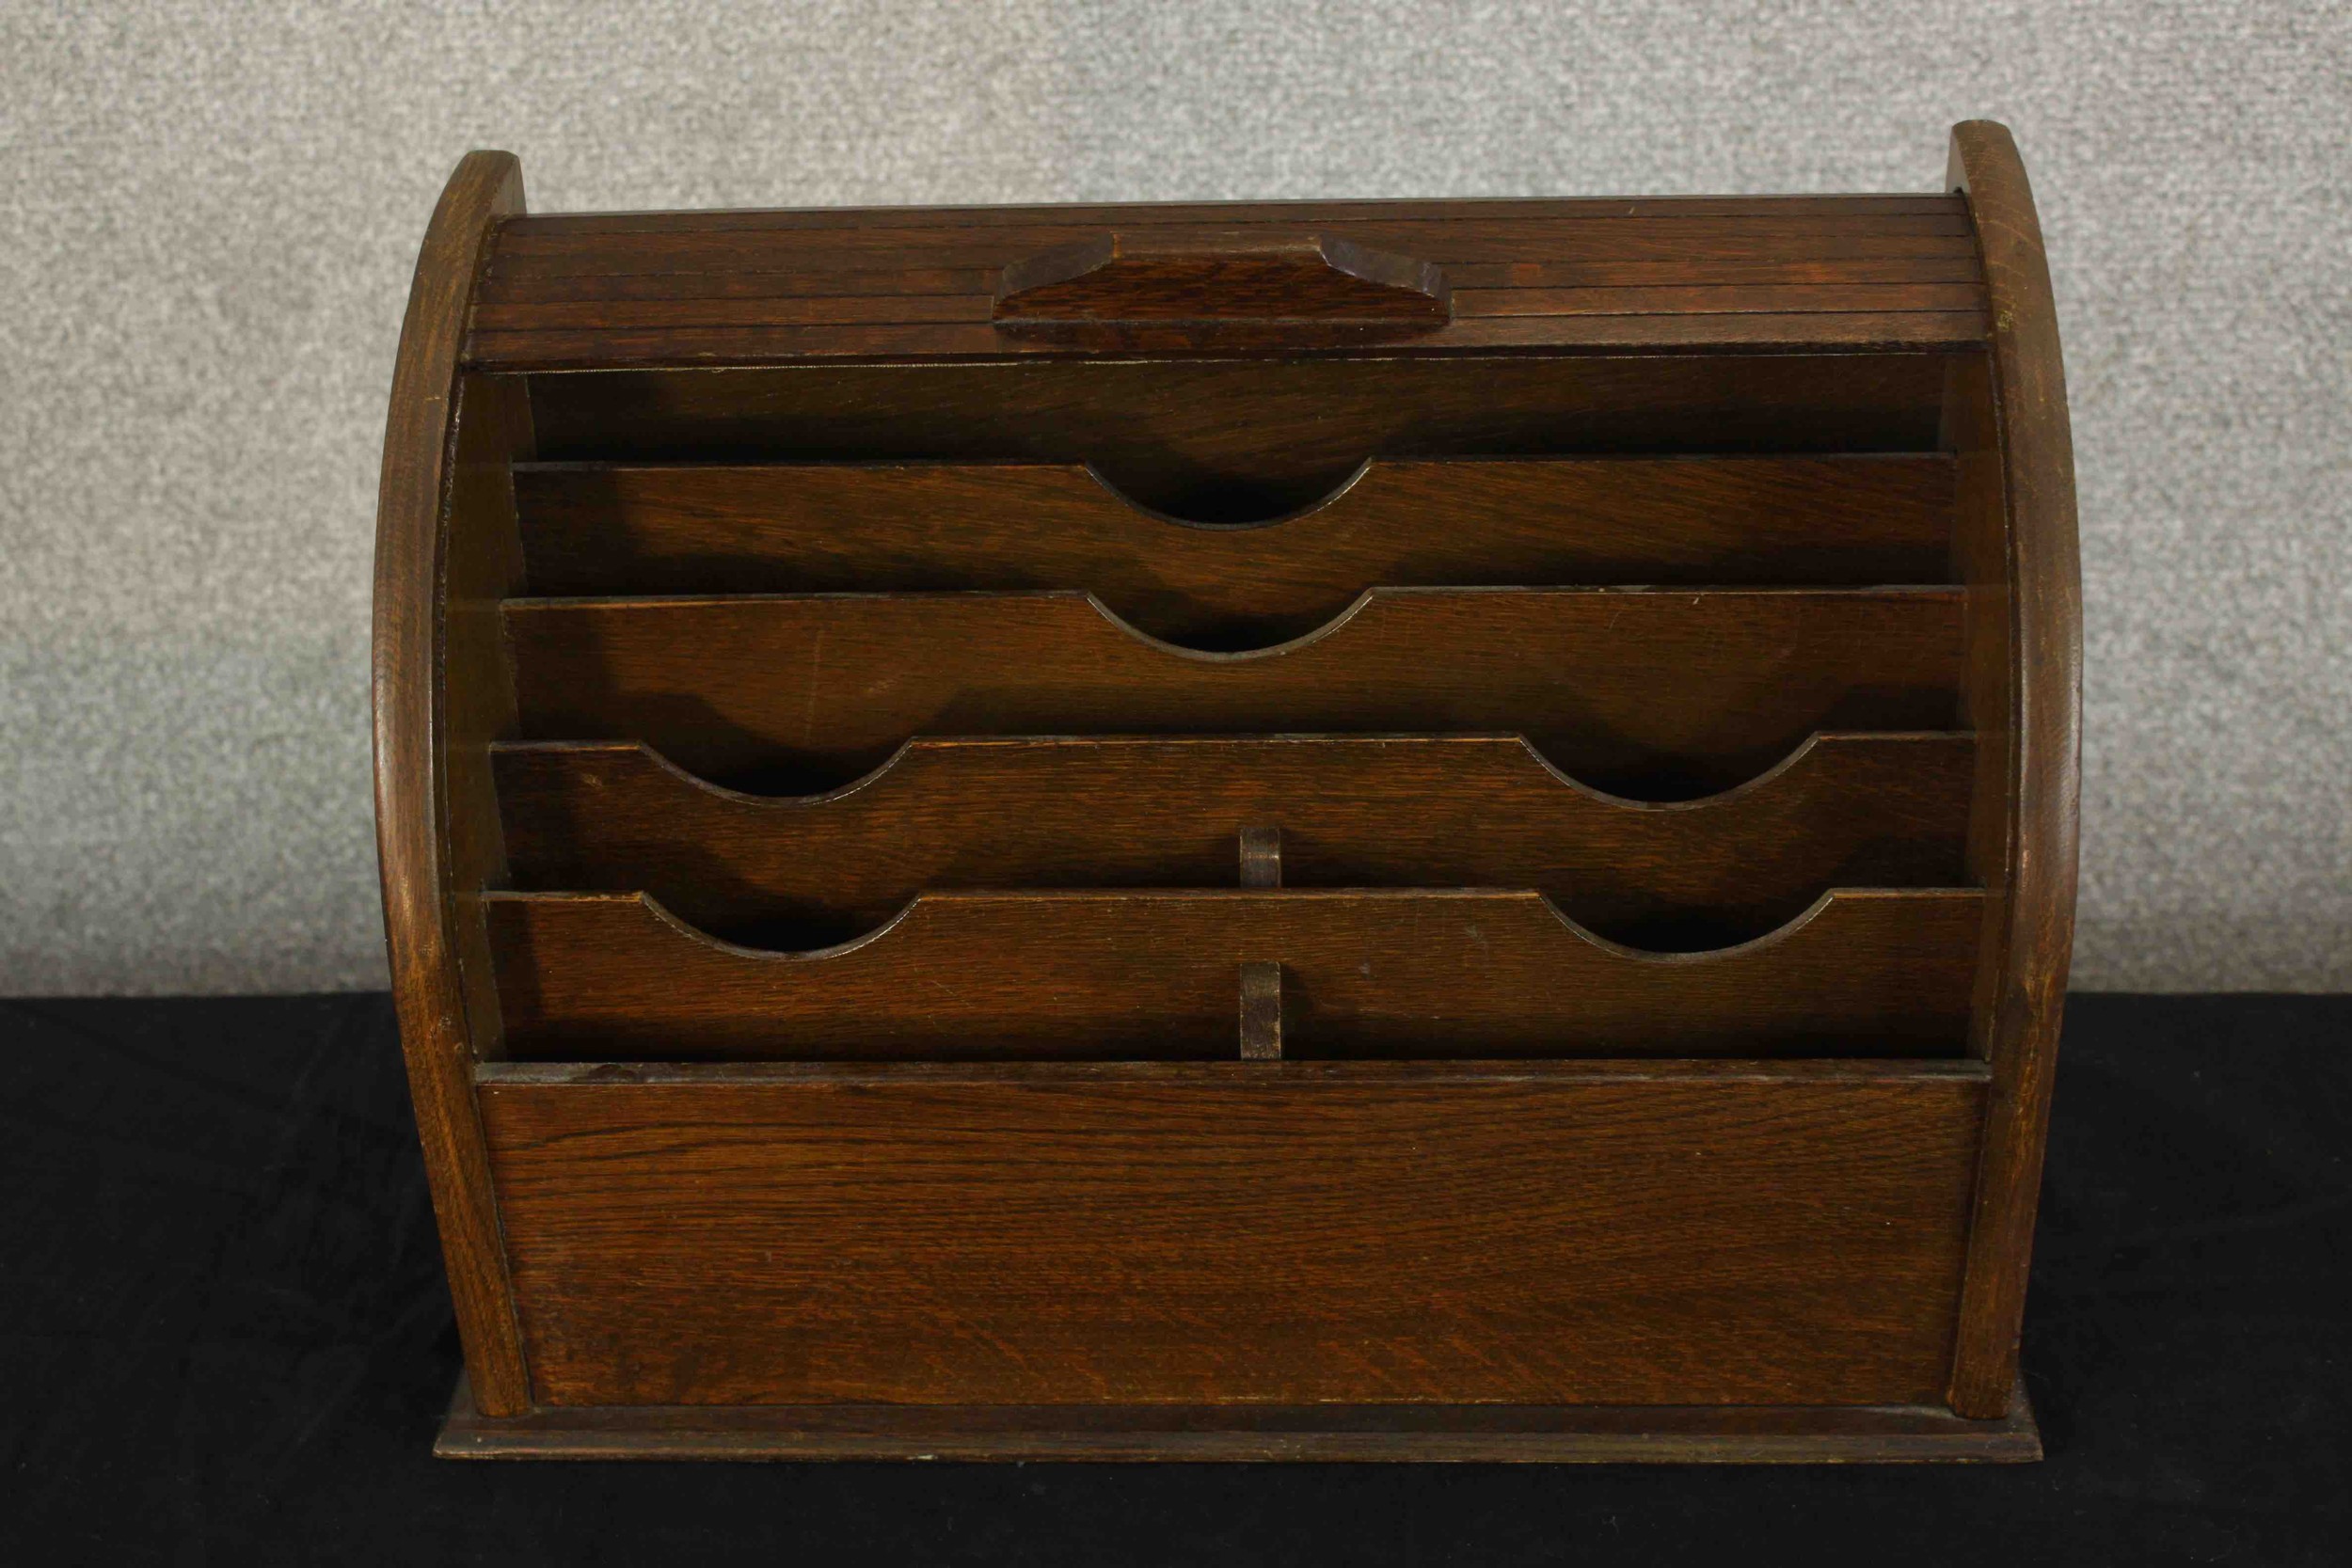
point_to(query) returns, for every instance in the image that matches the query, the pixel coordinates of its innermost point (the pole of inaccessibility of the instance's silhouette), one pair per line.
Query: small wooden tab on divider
(1261, 857)
(1260, 1012)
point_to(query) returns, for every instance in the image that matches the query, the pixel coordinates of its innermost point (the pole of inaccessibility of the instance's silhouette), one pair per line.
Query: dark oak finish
(482, 567)
(1120, 288)
(1251, 1233)
(431, 841)
(1144, 213)
(1197, 666)
(1151, 975)
(1627, 289)
(1473, 1433)
(824, 528)
(2033, 915)
(1242, 440)
(511, 303)
(1426, 811)
(1760, 332)
(1649, 693)
(1232, 279)
(1443, 233)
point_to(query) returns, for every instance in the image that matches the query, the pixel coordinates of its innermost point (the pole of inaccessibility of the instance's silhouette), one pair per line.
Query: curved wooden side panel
(1641, 693)
(1156, 976)
(804, 528)
(1408, 811)
(2034, 744)
(418, 841)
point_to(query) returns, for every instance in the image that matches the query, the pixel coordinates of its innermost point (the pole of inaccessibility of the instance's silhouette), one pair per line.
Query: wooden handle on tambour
(1220, 283)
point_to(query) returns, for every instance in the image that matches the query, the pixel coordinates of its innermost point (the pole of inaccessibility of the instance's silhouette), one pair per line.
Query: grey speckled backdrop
(211, 210)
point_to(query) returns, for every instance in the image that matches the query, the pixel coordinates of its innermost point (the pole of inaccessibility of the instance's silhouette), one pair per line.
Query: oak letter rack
(1334, 830)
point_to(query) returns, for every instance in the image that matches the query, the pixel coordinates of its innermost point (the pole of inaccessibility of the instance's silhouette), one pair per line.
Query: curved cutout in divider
(1650, 693)
(949, 527)
(1154, 975)
(1397, 811)
(1245, 438)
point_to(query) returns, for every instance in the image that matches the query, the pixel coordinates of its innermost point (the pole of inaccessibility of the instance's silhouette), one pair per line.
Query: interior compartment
(916, 711)
(1224, 441)
(1157, 975)
(1844, 810)
(1655, 694)
(604, 528)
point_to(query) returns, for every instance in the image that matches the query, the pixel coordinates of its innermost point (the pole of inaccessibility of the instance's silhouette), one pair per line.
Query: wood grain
(1296, 214)
(532, 251)
(1478, 1434)
(1243, 440)
(2020, 1021)
(1215, 277)
(1442, 236)
(429, 823)
(624, 344)
(1074, 976)
(928, 527)
(1375, 1153)
(797, 300)
(948, 302)
(1255, 1233)
(518, 303)
(1646, 693)
(1415, 811)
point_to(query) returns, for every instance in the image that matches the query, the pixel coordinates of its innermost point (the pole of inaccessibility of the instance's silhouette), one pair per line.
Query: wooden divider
(1242, 440)
(1412, 811)
(1649, 693)
(593, 528)
(1157, 975)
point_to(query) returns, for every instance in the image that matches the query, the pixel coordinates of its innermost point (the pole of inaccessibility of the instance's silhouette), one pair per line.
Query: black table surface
(224, 1337)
